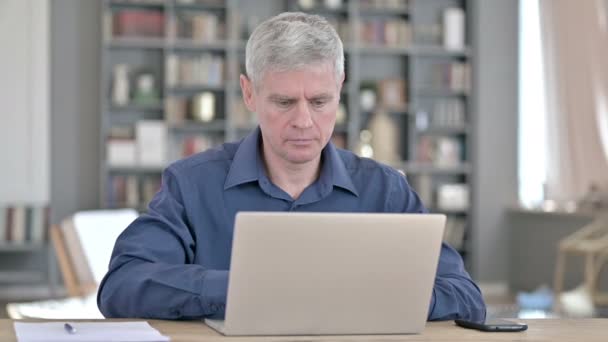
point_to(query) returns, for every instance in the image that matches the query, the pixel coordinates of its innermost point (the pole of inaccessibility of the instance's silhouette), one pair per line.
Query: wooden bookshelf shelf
(428, 92)
(445, 130)
(192, 45)
(136, 108)
(325, 11)
(417, 167)
(383, 50)
(216, 126)
(153, 5)
(136, 43)
(21, 277)
(20, 247)
(438, 51)
(384, 11)
(199, 7)
(192, 89)
(141, 170)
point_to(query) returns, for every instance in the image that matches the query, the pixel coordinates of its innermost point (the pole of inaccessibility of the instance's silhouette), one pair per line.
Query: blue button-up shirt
(173, 262)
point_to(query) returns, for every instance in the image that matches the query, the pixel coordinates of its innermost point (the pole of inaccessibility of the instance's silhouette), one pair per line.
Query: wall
(495, 32)
(24, 94)
(75, 51)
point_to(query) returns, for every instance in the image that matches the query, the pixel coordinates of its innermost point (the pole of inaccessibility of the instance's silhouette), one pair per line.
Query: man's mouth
(300, 141)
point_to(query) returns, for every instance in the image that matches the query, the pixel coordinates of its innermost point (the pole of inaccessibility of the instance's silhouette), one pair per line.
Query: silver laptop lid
(331, 273)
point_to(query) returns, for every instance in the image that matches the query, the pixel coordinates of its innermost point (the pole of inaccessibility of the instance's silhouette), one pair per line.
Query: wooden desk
(538, 330)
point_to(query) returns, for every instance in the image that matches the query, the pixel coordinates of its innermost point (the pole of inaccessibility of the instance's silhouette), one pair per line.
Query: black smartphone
(493, 325)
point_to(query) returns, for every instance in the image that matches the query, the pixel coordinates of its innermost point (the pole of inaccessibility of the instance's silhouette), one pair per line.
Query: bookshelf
(406, 97)
(24, 246)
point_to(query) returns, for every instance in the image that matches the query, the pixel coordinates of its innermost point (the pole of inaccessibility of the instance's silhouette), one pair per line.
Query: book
(386, 32)
(23, 223)
(138, 23)
(453, 197)
(39, 224)
(448, 113)
(132, 196)
(176, 109)
(454, 233)
(3, 224)
(205, 69)
(29, 212)
(121, 152)
(195, 144)
(150, 187)
(151, 141)
(203, 27)
(454, 76)
(453, 28)
(447, 151)
(442, 151)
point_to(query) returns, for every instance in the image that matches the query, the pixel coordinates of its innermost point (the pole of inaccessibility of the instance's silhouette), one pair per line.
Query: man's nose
(302, 116)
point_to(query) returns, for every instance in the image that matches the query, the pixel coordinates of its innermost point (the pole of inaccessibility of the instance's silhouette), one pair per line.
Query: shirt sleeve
(455, 295)
(151, 274)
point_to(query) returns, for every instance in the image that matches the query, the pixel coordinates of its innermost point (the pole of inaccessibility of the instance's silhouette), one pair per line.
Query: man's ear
(341, 84)
(248, 96)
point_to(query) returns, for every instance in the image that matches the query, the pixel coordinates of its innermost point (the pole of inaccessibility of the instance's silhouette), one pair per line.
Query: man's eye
(319, 103)
(283, 104)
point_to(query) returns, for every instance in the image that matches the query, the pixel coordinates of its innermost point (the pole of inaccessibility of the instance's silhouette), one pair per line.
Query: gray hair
(290, 41)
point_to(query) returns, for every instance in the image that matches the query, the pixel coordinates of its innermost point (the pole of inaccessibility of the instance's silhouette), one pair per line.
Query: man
(172, 263)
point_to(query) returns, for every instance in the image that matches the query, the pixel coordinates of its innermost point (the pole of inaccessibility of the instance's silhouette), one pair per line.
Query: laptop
(331, 273)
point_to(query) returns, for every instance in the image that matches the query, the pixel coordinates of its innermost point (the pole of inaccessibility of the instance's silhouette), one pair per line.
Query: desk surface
(538, 330)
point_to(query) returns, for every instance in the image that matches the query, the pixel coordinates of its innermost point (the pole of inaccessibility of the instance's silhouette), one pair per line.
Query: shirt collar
(333, 166)
(246, 165)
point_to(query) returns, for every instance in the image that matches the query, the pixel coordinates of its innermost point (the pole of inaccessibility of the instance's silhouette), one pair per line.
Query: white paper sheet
(89, 331)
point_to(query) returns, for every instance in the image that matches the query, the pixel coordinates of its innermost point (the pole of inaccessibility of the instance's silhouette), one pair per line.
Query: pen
(69, 328)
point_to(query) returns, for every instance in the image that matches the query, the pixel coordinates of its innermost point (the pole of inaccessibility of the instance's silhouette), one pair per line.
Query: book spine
(19, 224)
(29, 212)
(3, 225)
(9, 224)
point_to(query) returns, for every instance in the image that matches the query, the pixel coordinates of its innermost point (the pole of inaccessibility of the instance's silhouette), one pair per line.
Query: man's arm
(151, 274)
(455, 295)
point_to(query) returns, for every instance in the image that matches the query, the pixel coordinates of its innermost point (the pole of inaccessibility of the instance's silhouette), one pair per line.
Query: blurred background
(495, 110)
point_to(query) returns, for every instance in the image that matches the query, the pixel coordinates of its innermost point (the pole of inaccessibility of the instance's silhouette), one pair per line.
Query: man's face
(296, 110)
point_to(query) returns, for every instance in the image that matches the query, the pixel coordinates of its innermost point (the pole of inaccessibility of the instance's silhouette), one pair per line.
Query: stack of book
(442, 151)
(386, 32)
(197, 143)
(21, 224)
(448, 113)
(131, 191)
(384, 4)
(203, 27)
(455, 76)
(121, 147)
(202, 70)
(146, 147)
(138, 23)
